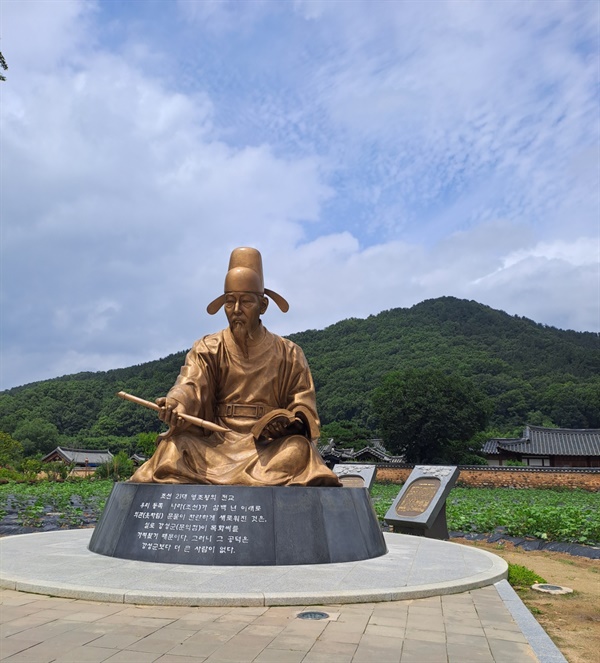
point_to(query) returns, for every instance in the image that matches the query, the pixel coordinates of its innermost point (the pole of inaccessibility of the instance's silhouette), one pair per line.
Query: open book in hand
(298, 422)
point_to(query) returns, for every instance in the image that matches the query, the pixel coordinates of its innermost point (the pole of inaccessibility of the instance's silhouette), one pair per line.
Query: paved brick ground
(473, 627)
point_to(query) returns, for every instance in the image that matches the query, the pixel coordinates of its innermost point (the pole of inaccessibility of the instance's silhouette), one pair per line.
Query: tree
(37, 436)
(11, 450)
(3, 65)
(428, 416)
(346, 434)
(146, 444)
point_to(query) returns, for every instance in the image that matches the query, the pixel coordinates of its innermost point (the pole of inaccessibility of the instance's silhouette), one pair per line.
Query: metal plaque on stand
(420, 507)
(353, 475)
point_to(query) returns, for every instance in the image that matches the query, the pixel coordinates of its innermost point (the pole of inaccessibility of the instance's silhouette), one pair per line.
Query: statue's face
(243, 309)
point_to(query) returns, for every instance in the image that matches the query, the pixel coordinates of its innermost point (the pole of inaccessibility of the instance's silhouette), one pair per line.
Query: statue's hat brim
(245, 274)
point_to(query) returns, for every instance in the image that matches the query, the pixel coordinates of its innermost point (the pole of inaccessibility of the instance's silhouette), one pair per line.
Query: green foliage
(552, 515)
(146, 444)
(11, 450)
(521, 576)
(382, 496)
(30, 468)
(511, 359)
(428, 416)
(514, 463)
(72, 500)
(6, 475)
(37, 436)
(57, 470)
(347, 434)
(117, 469)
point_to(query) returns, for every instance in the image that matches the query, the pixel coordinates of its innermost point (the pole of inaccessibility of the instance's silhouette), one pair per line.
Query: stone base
(238, 525)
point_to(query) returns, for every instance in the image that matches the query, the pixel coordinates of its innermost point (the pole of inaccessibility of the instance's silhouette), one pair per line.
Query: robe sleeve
(301, 397)
(195, 386)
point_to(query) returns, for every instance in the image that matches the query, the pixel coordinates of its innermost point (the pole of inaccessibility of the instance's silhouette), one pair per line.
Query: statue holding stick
(243, 409)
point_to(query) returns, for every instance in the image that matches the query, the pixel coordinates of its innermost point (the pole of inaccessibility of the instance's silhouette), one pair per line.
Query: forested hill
(533, 373)
(523, 366)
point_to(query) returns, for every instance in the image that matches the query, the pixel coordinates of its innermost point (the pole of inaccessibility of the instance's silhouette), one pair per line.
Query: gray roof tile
(539, 441)
(82, 456)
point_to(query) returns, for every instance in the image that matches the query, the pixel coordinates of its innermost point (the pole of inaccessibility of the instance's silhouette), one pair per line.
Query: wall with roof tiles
(514, 477)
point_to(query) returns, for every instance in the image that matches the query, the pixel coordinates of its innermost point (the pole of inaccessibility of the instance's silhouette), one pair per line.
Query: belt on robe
(249, 411)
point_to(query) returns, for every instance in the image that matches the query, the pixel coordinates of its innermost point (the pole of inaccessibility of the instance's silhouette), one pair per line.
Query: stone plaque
(237, 525)
(355, 476)
(420, 507)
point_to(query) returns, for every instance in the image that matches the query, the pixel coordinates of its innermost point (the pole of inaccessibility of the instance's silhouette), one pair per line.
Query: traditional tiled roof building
(547, 447)
(79, 457)
(374, 453)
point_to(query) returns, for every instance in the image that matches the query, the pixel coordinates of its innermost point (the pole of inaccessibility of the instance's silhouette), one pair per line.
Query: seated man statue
(255, 384)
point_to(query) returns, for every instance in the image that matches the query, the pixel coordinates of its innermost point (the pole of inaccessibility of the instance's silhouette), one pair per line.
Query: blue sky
(377, 153)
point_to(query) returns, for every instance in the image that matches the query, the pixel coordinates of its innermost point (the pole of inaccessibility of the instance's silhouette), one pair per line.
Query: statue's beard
(241, 334)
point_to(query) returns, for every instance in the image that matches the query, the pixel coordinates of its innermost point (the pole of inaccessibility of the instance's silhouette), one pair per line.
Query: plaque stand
(420, 507)
(238, 525)
(437, 530)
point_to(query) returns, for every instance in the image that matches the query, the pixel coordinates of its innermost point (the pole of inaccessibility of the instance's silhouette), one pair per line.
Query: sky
(377, 154)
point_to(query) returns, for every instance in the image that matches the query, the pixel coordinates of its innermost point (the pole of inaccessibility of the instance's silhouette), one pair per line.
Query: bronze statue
(251, 382)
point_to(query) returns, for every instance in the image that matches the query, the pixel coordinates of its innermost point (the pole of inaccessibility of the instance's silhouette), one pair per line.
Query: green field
(570, 515)
(70, 504)
(553, 515)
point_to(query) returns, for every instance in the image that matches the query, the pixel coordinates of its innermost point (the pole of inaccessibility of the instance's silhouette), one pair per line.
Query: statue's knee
(297, 446)
(293, 453)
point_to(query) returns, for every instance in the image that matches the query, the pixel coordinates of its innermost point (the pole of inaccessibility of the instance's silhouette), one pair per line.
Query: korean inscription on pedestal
(190, 523)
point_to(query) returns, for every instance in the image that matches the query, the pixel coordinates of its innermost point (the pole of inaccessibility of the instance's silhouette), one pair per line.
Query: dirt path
(571, 620)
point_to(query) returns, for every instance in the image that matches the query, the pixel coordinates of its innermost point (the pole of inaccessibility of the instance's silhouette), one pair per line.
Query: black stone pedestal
(238, 525)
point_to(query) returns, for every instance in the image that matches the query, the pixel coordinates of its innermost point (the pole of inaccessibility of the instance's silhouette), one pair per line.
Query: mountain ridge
(534, 373)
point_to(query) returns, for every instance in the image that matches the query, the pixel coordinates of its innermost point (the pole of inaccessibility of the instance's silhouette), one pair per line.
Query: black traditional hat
(245, 274)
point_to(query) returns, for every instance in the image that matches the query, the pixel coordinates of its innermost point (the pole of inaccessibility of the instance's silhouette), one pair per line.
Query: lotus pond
(553, 515)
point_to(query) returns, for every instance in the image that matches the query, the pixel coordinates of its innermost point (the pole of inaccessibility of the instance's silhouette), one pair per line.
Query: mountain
(533, 373)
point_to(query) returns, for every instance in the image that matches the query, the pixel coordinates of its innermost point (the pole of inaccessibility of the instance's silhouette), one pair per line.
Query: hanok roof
(539, 441)
(376, 451)
(81, 456)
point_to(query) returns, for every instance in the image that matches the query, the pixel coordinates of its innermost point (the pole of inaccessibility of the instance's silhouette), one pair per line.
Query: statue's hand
(281, 426)
(169, 412)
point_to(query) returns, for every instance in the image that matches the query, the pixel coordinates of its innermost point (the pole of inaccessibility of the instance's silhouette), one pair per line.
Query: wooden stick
(187, 417)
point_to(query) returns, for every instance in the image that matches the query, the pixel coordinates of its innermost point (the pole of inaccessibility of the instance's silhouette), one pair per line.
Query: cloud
(117, 197)
(486, 263)
(377, 154)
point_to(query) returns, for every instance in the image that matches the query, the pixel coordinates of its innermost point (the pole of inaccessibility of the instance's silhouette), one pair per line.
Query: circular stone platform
(60, 564)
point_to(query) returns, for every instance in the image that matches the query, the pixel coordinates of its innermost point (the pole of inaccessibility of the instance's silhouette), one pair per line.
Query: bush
(7, 475)
(521, 576)
(57, 470)
(31, 467)
(119, 468)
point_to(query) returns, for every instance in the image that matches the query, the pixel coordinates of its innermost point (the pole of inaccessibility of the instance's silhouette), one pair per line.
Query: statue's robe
(217, 383)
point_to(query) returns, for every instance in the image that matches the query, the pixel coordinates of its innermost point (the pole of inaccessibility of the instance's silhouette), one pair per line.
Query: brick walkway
(471, 627)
